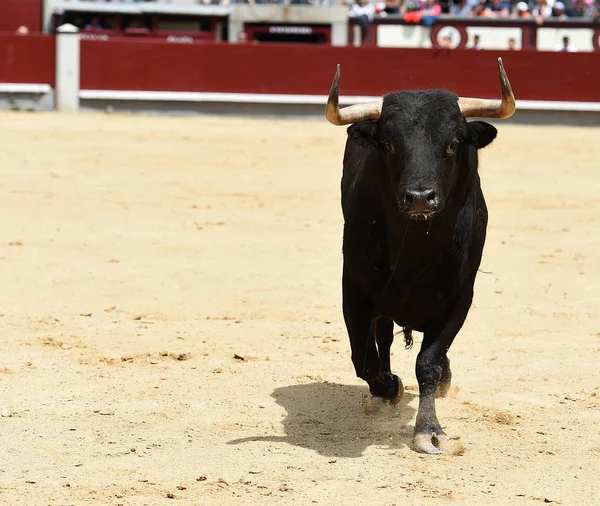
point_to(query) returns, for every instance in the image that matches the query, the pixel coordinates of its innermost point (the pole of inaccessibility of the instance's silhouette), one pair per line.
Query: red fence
(14, 13)
(119, 64)
(27, 59)
(307, 69)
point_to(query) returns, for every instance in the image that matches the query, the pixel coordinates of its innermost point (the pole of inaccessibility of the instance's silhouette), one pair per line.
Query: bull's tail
(408, 339)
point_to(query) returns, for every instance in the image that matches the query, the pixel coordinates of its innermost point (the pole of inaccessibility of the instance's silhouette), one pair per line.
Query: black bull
(415, 224)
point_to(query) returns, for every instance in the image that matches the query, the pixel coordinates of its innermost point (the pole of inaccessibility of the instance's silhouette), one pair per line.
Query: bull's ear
(364, 133)
(481, 133)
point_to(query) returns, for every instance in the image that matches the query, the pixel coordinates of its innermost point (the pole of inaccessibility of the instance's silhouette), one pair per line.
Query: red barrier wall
(14, 13)
(27, 59)
(304, 69)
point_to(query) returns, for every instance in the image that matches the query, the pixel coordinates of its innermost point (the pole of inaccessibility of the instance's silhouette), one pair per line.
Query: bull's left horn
(351, 114)
(483, 108)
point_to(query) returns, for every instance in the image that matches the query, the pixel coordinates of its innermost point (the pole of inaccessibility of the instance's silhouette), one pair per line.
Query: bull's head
(424, 139)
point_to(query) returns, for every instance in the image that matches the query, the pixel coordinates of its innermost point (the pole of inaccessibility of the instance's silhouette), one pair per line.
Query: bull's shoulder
(468, 241)
(353, 165)
(359, 175)
(365, 245)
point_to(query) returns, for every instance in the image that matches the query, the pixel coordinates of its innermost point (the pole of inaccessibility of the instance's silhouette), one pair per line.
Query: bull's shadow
(330, 419)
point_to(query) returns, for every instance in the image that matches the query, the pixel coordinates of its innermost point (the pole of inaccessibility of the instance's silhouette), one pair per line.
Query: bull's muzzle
(420, 202)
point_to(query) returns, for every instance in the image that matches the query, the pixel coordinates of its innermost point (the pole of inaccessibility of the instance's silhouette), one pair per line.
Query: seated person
(522, 11)
(558, 11)
(496, 8)
(365, 13)
(478, 10)
(541, 11)
(461, 9)
(388, 7)
(430, 10)
(577, 9)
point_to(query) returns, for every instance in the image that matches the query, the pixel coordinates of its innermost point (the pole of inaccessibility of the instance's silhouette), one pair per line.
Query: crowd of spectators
(482, 8)
(538, 10)
(427, 10)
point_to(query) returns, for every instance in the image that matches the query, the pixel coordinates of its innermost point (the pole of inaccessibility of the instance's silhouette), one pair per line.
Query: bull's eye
(451, 149)
(389, 147)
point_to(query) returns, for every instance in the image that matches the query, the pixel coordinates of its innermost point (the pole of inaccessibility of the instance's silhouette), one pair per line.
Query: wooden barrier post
(67, 68)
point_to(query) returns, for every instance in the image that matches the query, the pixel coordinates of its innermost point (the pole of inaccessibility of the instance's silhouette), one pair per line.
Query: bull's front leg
(433, 373)
(446, 379)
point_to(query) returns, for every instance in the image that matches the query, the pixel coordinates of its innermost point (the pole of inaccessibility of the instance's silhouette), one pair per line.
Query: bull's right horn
(483, 108)
(350, 114)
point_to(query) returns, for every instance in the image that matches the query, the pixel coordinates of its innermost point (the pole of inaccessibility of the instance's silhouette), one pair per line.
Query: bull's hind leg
(358, 314)
(386, 385)
(368, 333)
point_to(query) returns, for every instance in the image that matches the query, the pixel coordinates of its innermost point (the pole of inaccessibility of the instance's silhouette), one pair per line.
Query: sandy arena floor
(171, 329)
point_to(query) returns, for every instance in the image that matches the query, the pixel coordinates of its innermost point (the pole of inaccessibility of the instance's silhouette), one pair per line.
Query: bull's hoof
(387, 386)
(399, 395)
(432, 444)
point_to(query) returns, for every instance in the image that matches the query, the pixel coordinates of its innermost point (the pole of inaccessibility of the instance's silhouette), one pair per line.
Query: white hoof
(431, 444)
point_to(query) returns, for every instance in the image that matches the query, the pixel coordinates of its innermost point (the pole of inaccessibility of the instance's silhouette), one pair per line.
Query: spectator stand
(204, 22)
(388, 23)
(173, 22)
(453, 32)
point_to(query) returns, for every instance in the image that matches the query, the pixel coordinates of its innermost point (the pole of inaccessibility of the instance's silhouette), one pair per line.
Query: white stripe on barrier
(191, 96)
(547, 105)
(24, 88)
(263, 98)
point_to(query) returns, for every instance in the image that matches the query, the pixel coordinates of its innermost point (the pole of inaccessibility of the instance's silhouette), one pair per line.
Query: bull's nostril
(420, 201)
